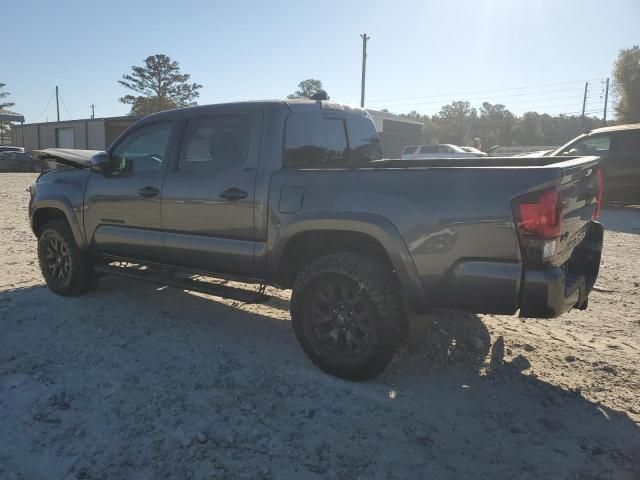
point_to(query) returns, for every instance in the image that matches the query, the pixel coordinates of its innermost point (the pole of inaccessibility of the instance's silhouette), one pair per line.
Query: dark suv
(619, 149)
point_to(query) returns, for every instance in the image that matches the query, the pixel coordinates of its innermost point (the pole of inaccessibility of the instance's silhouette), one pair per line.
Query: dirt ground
(133, 381)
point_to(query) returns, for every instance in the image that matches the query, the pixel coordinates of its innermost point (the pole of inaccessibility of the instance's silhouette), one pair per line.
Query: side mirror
(100, 162)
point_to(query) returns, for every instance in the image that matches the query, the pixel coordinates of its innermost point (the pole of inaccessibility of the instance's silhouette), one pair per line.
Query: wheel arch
(55, 209)
(313, 236)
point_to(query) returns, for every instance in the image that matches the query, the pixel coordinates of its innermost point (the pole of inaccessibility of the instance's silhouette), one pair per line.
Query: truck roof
(297, 104)
(616, 128)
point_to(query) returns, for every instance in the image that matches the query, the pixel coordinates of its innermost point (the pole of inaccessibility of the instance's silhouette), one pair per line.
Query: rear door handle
(233, 194)
(149, 192)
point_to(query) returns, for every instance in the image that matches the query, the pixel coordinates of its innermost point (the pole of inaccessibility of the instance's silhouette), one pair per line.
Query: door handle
(149, 192)
(233, 194)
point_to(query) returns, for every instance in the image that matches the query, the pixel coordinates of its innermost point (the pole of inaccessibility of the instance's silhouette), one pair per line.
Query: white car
(442, 150)
(479, 153)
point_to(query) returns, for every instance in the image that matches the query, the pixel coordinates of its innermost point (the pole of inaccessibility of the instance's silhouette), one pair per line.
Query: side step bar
(162, 277)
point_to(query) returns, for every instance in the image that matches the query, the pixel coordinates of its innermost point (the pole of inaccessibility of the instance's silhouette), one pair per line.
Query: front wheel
(65, 267)
(347, 315)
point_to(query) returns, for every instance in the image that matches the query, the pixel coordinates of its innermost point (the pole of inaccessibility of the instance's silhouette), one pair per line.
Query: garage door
(65, 138)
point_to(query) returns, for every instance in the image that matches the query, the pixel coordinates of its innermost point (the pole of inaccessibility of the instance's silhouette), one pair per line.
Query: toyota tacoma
(295, 194)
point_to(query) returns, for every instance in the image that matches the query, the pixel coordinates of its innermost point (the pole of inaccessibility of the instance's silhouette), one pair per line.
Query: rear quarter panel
(442, 215)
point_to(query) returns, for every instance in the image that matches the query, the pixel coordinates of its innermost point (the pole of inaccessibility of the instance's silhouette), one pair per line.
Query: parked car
(14, 159)
(619, 149)
(294, 194)
(10, 148)
(512, 151)
(539, 153)
(443, 150)
(478, 152)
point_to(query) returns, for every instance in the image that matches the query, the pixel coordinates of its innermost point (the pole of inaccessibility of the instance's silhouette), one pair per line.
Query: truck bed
(454, 216)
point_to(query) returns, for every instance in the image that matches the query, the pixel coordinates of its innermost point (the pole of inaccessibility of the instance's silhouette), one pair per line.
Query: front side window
(314, 140)
(143, 150)
(596, 145)
(215, 143)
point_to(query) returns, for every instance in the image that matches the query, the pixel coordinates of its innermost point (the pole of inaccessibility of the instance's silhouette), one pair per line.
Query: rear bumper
(553, 291)
(484, 286)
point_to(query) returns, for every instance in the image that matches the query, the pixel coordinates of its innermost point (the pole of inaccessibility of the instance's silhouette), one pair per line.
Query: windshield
(597, 144)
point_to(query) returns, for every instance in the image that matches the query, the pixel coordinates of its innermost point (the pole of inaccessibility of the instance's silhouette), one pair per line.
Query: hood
(67, 156)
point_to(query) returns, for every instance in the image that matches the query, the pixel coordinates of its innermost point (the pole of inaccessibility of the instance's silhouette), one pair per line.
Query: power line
(45, 108)
(483, 91)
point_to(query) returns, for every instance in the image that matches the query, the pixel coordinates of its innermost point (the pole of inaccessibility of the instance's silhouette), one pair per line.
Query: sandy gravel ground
(139, 382)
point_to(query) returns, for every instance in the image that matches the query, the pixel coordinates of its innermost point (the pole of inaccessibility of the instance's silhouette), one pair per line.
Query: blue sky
(529, 55)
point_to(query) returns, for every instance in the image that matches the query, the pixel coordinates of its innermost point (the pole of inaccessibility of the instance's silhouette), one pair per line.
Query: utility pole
(57, 104)
(364, 66)
(606, 99)
(93, 111)
(584, 101)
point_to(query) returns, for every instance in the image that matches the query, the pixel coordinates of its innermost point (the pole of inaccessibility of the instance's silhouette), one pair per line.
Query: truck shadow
(443, 401)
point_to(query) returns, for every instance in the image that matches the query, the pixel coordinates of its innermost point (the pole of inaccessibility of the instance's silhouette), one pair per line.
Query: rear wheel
(67, 270)
(347, 315)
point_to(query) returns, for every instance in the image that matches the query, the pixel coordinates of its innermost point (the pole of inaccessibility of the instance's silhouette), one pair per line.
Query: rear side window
(409, 150)
(312, 140)
(628, 144)
(215, 143)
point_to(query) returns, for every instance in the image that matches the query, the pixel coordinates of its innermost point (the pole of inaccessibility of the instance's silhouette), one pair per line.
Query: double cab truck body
(295, 194)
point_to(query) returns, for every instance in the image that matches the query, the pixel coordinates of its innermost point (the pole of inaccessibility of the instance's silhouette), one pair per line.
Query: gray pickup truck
(295, 195)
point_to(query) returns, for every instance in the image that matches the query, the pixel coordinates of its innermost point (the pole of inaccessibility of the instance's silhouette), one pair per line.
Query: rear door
(209, 195)
(623, 176)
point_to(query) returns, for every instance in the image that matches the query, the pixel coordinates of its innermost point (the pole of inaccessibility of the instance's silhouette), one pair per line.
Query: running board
(161, 277)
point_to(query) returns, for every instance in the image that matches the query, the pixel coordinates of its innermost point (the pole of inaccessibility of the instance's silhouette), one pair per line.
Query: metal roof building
(7, 116)
(89, 134)
(395, 132)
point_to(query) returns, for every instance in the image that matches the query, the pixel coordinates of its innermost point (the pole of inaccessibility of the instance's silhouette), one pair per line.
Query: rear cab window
(315, 138)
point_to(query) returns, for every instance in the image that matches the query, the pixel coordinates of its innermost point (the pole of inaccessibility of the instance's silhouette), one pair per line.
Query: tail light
(541, 214)
(538, 218)
(600, 180)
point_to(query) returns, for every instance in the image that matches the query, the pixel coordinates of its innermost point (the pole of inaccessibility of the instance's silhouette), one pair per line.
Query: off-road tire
(376, 287)
(80, 277)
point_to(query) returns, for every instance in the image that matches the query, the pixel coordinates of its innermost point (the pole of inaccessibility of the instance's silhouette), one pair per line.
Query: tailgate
(580, 189)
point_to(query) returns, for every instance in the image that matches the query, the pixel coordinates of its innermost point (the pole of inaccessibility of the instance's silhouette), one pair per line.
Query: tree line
(494, 124)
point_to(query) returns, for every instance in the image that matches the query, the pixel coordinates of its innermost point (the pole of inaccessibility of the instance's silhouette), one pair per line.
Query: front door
(122, 214)
(208, 198)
